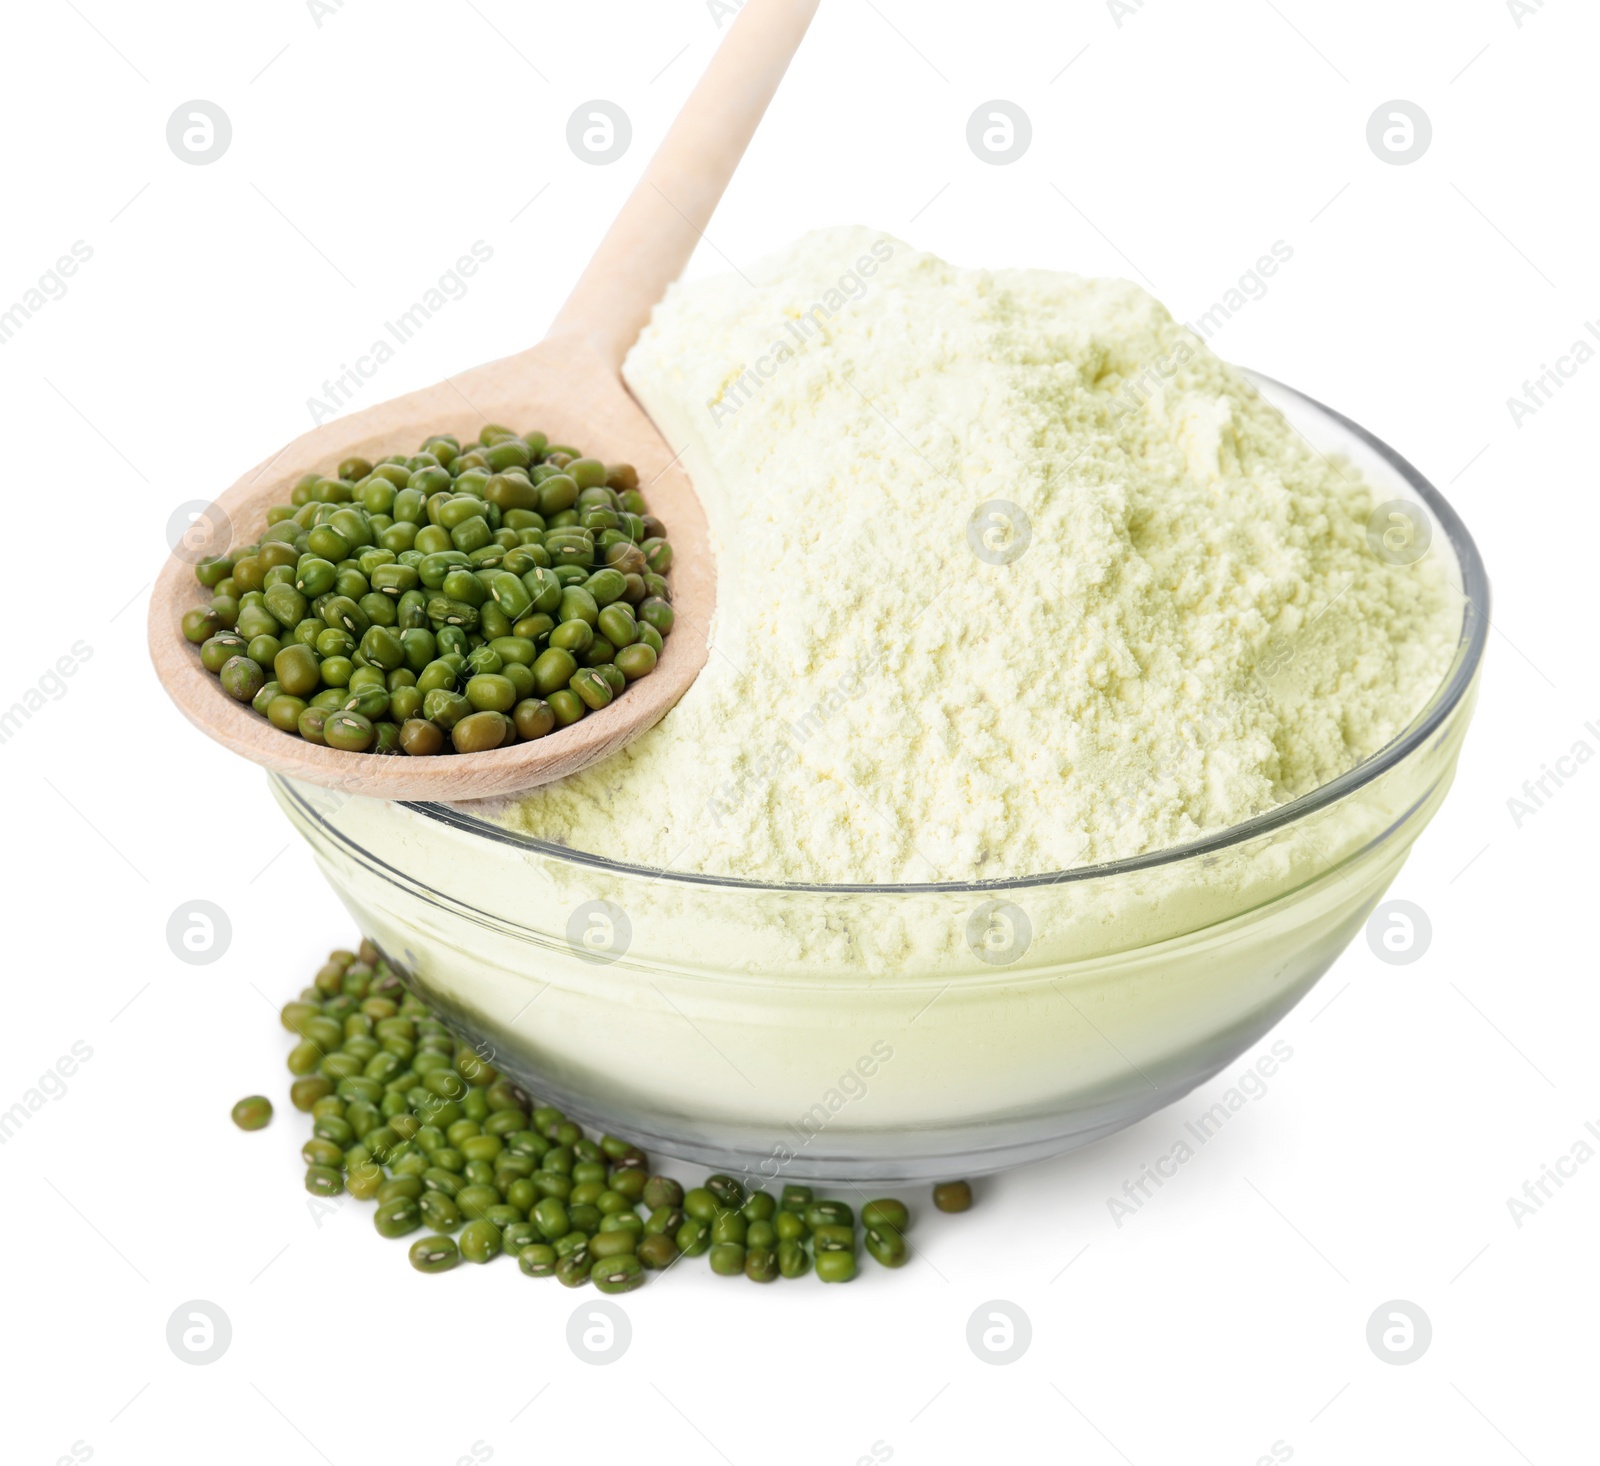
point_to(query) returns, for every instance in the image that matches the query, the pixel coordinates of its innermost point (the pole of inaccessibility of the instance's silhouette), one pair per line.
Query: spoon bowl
(568, 387)
(568, 390)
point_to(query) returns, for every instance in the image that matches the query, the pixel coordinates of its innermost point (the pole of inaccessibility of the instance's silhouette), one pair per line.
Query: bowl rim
(1452, 691)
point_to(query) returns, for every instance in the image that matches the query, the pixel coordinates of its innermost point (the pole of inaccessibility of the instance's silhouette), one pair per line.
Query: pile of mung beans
(457, 599)
(405, 1115)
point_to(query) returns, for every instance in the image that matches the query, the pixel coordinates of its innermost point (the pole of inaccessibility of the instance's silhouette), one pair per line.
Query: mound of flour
(1014, 575)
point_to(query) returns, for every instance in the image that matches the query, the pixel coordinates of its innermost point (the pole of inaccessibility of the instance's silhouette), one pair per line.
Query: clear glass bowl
(909, 1032)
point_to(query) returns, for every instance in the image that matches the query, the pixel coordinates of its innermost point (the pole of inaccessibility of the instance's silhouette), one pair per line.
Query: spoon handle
(651, 240)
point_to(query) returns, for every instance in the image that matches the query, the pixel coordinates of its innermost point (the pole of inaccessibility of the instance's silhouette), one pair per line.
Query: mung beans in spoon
(455, 600)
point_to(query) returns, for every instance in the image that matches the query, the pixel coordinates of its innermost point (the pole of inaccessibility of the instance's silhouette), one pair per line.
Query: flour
(1195, 628)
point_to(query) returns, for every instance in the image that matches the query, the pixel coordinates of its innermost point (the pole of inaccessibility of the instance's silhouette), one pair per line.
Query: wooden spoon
(568, 387)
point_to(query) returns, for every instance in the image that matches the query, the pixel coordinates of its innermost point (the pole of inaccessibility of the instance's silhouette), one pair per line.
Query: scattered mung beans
(407, 1116)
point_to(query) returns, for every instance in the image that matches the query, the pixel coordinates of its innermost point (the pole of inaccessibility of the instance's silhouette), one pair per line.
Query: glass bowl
(912, 1032)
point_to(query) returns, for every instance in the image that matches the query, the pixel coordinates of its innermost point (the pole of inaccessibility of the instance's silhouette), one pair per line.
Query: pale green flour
(1197, 628)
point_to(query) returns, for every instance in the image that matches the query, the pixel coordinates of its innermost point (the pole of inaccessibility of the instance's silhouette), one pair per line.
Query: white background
(368, 153)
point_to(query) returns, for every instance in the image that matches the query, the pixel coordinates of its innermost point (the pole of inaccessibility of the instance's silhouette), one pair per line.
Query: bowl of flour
(1073, 697)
